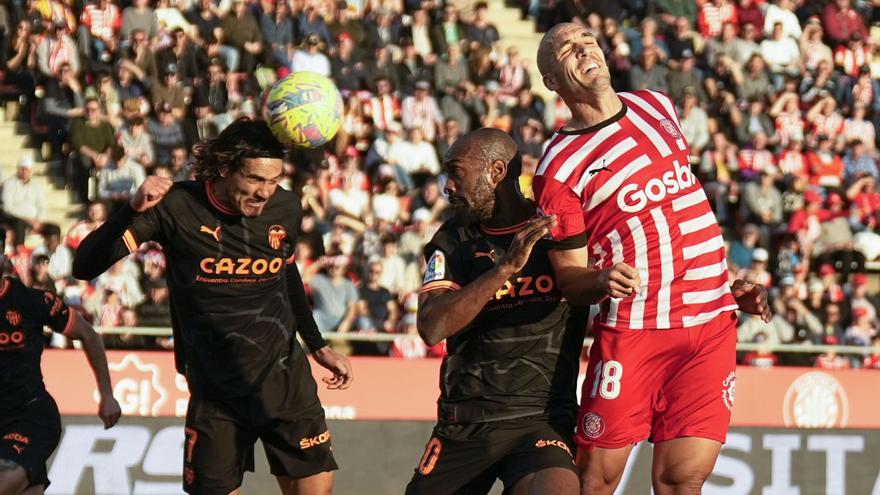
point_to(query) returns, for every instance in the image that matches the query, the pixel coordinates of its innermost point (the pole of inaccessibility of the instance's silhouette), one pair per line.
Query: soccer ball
(305, 110)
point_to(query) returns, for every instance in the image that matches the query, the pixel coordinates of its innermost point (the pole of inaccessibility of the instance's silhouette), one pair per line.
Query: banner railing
(390, 337)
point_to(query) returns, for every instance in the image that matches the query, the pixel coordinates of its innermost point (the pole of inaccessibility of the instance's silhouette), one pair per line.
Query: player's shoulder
(286, 198)
(185, 191)
(649, 100)
(453, 233)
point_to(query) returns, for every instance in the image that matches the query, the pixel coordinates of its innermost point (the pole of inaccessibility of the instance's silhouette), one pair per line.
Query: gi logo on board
(815, 400)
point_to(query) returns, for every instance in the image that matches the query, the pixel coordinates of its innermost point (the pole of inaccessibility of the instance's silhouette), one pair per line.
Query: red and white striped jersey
(626, 184)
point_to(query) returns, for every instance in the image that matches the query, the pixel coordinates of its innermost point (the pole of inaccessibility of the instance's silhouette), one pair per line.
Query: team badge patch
(276, 235)
(593, 426)
(670, 128)
(728, 390)
(13, 317)
(436, 267)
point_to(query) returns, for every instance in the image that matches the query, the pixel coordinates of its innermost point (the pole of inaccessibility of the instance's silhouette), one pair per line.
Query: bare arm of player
(106, 245)
(443, 313)
(336, 363)
(752, 299)
(108, 409)
(582, 286)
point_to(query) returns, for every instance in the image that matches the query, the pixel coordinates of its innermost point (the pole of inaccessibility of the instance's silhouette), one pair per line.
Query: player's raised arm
(116, 238)
(446, 310)
(308, 330)
(108, 408)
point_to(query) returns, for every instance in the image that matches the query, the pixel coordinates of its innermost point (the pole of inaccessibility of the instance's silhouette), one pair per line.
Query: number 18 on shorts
(658, 385)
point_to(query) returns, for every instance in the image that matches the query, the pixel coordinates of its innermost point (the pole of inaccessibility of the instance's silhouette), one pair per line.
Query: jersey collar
(504, 230)
(212, 198)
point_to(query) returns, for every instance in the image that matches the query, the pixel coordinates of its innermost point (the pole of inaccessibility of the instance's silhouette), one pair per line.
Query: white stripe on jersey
(699, 223)
(640, 246)
(616, 257)
(705, 296)
(553, 151)
(577, 158)
(613, 184)
(613, 154)
(644, 105)
(692, 321)
(667, 105)
(689, 199)
(667, 271)
(713, 244)
(703, 272)
(651, 133)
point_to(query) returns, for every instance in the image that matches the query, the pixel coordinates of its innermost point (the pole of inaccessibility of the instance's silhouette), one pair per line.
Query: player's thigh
(455, 465)
(548, 481)
(28, 440)
(218, 448)
(13, 478)
(624, 375)
(317, 484)
(600, 469)
(34, 490)
(682, 465)
(698, 398)
(299, 446)
(540, 457)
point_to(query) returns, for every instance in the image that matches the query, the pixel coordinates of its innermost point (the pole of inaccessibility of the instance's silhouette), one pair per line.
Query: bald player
(507, 387)
(616, 178)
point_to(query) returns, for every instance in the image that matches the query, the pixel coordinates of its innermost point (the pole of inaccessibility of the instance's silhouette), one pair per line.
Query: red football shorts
(658, 384)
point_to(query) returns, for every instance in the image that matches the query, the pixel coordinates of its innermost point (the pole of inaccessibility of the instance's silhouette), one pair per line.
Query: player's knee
(597, 483)
(13, 482)
(681, 481)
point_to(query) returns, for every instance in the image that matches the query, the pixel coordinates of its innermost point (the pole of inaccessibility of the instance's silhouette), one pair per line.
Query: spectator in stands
(310, 58)
(648, 73)
(756, 85)
(137, 144)
(449, 31)
(57, 51)
(872, 361)
(92, 138)
(421, 111)
(694, 123)
(242, 32)
(377, 310)
(830, 360)
(348, 70)
(60, 258)
(841, 22)
(139, 16)
(21, 63)
(39, 274)
(481, 32)
(763, 357)
(119, 179)
(97, 34)
(818, 84)
(334, 296)
(62, 102)
(139, 59)
(96, 215)
(451, 71)
(23, 202)
(166, 131)
(782, 12)
(277, 28)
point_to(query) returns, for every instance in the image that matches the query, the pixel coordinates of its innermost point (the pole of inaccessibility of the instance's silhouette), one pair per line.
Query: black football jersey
(231, 313)
(519, 356)
(24, 312)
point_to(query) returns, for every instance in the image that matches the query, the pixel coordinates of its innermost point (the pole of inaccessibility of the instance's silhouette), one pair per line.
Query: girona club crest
(276, 235)
(13, 317)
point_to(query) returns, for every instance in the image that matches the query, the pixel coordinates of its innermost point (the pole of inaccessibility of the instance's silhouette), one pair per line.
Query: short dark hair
(225, 154)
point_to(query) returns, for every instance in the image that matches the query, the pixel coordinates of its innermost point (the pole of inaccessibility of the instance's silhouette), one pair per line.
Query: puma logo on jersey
(597, 170)
(18, 448)
(215, 233)
(490, 255)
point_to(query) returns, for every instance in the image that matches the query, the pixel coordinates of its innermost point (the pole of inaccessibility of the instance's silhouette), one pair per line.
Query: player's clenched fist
(150, 193)
(523, 241)
(621, 280)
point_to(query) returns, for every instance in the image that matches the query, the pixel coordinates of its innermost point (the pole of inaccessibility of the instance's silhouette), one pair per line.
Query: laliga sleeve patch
(436, 267)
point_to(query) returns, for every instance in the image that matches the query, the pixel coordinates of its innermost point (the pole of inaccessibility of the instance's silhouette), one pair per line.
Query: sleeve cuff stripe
(441, 284)
(130, 243)
(71, 319)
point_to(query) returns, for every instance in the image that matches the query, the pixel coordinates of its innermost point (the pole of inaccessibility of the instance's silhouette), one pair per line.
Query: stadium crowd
(779, 101)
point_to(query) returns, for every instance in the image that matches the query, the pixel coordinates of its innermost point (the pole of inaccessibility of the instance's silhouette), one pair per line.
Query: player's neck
(593, 109)
(517, 210)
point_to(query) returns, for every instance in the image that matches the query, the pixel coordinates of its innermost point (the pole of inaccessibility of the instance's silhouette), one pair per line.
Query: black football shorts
(467, 459)
(286, 416)
(29, 435)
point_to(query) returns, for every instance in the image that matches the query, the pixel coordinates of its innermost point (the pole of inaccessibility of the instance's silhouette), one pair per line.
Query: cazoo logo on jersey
(632, 199)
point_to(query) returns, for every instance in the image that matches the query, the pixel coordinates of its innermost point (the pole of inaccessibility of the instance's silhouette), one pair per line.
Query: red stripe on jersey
(640, 204)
